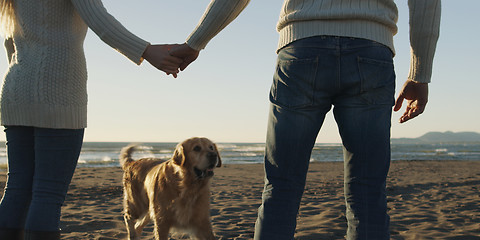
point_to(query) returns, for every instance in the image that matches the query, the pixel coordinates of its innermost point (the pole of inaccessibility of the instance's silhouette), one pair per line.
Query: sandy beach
(427, 200)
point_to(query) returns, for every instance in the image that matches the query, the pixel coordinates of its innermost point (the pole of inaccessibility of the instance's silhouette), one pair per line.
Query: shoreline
(426, 200)
(3, 166)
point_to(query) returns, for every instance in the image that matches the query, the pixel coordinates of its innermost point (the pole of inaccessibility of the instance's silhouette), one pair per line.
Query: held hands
(185, 52)
(416, 95)
(170, 58)
(159, 56)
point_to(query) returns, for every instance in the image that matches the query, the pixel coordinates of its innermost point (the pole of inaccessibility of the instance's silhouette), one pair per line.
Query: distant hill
(438, 137)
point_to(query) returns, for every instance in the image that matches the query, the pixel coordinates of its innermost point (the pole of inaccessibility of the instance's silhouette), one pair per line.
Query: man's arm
(217, 16)
(424, 33)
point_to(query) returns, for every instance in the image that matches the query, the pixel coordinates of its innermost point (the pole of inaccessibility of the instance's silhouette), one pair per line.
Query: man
(340, 54)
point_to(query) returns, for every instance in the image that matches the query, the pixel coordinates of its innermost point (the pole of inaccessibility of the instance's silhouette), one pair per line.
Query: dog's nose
(212, 155)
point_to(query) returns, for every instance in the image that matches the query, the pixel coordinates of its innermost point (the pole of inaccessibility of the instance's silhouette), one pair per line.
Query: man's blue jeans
(41, 163)
(357, 77)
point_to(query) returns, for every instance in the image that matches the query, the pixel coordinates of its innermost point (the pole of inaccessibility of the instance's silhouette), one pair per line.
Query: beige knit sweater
(45, 85)
(369, 19)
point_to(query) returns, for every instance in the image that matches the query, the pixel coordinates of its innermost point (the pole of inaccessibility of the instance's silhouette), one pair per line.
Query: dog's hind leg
(130, 223)
(140, 224)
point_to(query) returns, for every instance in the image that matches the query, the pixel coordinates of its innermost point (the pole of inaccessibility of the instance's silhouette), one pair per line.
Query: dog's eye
(211, 148)
(197, 149)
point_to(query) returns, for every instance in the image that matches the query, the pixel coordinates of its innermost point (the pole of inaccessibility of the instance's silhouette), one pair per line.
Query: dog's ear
(179, 155)
(219, 163)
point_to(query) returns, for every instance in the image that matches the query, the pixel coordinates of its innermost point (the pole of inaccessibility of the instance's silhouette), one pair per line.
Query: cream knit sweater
(45, 85)
(369, 19)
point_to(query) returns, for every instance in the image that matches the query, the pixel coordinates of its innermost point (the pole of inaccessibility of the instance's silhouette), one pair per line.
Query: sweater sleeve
(424, 33)
(110, 30)
(217, 16)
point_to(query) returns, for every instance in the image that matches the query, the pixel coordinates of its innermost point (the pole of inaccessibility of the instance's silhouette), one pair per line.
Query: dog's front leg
(206, 236)
(204, 231)
(161, 224)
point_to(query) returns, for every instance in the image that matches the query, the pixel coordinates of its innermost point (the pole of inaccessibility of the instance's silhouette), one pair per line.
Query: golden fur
(174, 193)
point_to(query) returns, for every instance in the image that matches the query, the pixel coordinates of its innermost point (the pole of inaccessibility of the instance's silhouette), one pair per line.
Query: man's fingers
(169, 69)
(173, 74)
(398, 102)
(412, 111)
(184, 65)
(417, 110)
(406, 116)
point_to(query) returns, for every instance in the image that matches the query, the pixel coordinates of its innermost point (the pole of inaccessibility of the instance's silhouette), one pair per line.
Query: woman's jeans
(41, 163)
(356, 77)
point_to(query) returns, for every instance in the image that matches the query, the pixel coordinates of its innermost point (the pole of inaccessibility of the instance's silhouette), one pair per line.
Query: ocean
(105, 154)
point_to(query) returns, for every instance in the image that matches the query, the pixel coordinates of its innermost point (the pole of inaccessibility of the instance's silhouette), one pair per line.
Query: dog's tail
(126, 155)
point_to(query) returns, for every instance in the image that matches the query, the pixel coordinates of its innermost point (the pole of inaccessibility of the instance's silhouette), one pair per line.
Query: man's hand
(159, 57)
(185, 52)
(416, 95)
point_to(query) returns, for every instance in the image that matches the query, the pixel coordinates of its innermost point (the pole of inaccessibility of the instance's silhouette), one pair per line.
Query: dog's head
(198, 155)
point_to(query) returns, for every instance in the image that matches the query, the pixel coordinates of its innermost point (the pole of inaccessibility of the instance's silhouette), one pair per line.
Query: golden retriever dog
(175, 193)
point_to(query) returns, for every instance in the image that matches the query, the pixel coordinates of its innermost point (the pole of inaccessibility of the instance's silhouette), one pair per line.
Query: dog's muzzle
(208, 172)
(203, 174)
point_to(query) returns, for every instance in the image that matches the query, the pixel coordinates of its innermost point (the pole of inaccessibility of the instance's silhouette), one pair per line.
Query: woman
(44, 103)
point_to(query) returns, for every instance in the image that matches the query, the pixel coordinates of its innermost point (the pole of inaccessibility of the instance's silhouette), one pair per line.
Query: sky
(223, 95)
